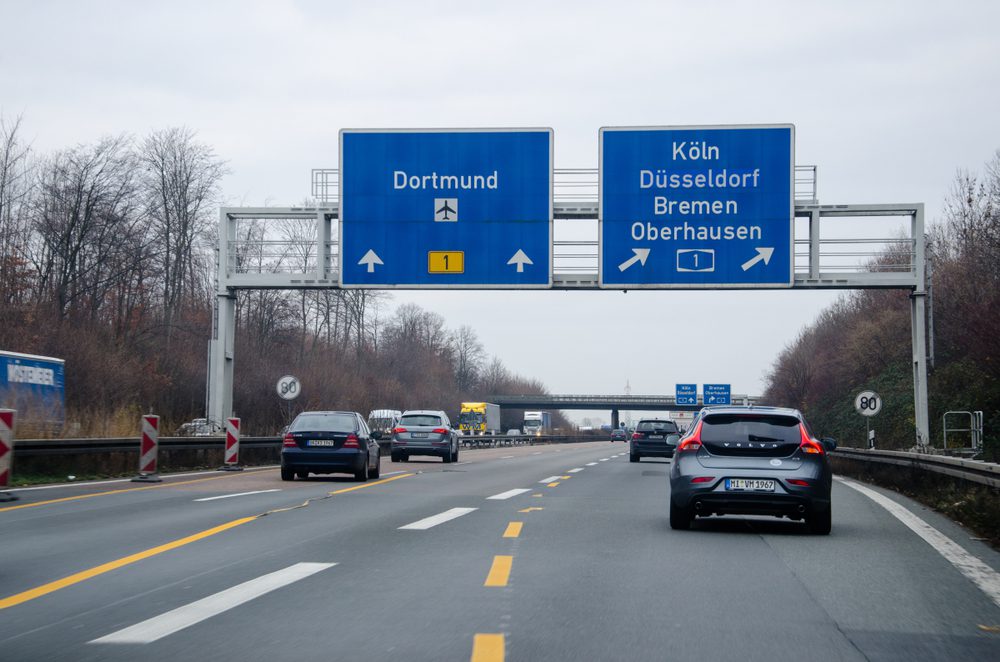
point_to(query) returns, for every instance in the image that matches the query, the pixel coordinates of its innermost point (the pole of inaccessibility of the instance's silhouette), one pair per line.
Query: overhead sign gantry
(697, 207)
(446, 208)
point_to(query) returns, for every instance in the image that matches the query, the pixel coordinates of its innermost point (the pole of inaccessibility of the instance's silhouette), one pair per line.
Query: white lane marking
(604, 459)
(590, 464)
(126, 480)
(537, 453)
(508, 494)
(392, 473)
(230, 496)
(982, 575)
(507, 457)
(434, 520)
(550, 479)
(573, 471)
(175, 620)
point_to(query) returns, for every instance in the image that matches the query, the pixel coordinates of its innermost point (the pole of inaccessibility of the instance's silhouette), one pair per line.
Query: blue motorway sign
(446, 208)
(716, 394)
(697, 207)
(686, 394)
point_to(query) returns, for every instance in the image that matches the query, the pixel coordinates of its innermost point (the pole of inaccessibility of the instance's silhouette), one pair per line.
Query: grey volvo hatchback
(751, 461)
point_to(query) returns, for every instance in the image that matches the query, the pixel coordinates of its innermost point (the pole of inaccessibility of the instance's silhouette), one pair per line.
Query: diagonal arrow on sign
(371, 259)
(641, 255)
(762, 254)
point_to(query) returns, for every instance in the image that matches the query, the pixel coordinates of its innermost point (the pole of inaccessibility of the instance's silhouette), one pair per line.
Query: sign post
(868, 403)
(697, 207)
(446, 208)
(6, 451)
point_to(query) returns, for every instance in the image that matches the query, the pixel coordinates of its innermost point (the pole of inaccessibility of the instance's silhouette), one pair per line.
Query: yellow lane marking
(529, 509)
(565, 477)
(487, 648)
(51, 587)
(555, 484)
(499, 571)
(513, 530)
(990, 628)
(97, 494)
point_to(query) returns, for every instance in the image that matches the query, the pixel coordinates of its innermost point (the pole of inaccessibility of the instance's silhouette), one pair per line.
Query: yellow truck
(479, 418)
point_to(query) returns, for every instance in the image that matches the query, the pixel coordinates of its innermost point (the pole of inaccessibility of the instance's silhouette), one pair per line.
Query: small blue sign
(686, 394)
(716, 394)
(446, 208)
(697, 207)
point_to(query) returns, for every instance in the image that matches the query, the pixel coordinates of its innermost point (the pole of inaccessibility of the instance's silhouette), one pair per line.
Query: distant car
(513, 432)
(618, 434)
(751, 461)
(424, 432)
(323, 442)
(653, 437)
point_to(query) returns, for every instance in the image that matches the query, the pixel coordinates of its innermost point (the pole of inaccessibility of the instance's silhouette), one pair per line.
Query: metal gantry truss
(304, 254)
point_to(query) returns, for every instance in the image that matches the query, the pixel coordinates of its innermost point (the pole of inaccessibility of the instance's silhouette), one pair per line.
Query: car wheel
(454, 457)
(820, 522)
(633, 457)
(680, 518)
(394, 456)
(362, 474)
(446, 458)
(287, 474)
(374, 473)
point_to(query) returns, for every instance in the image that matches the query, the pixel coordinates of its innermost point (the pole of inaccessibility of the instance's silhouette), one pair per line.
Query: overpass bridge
(614, 403)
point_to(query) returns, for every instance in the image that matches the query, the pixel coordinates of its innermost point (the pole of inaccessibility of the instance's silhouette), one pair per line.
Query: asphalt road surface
(526, 553)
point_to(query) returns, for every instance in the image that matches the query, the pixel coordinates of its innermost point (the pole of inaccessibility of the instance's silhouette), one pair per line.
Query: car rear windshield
(744, 427)
(656, 426)
(420, 419)
(324, 423)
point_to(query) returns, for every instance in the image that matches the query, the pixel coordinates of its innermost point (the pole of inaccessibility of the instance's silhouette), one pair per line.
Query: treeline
(863, 341)
(107, 260)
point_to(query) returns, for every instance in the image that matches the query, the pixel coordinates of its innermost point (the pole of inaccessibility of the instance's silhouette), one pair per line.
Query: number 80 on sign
(288, 387)
(868, 403)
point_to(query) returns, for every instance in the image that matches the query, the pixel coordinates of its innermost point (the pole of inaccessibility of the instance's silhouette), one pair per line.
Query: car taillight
(693, 441)
(808, 444)
(702, 479)
(351, 441)
(636, 435)
(440, 430)
(289, 441)
(398, 430)
(800, 483)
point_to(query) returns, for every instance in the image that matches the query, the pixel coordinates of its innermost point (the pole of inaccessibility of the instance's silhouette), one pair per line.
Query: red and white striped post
(149, 449)
(6, 451)
(231, 457)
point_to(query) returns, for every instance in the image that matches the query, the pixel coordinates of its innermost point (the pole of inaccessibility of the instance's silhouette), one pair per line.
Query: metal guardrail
(984, 473)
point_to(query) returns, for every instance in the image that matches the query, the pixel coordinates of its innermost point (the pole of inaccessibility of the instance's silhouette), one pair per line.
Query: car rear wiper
(754, 437)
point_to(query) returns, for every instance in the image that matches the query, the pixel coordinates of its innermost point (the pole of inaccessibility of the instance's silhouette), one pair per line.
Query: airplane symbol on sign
(443, 207)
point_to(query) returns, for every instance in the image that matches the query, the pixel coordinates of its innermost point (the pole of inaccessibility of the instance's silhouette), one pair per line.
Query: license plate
(656, 436)
(419, 435)
(749, 484)
(322, 442)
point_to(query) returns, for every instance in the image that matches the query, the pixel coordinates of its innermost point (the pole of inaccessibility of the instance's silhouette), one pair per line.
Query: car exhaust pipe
(697, 506)
(802, 508)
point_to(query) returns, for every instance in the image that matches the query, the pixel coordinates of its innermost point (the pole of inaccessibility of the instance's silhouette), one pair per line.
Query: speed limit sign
(868, 403)
(289, 387)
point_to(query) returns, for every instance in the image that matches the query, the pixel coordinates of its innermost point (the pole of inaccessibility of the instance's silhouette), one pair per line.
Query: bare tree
(15, 188)
(469, 355)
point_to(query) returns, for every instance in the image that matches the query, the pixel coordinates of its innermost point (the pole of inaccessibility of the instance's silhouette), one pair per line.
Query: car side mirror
(830, 443)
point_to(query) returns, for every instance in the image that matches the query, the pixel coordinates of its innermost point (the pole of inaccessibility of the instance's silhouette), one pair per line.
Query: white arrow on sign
(520, 259)
(762, 254)
(641, 255)
(371, 259)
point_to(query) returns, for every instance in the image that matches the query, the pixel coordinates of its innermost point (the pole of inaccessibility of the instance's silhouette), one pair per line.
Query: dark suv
(653, 438)
(751, 461)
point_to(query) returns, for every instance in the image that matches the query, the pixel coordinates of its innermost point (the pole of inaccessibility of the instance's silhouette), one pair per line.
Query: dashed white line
(980, 574)
(590, 464)
(537, 453)
(507, 457)
(573, 471)
(604, 459)
(508, 494)
(434, 520)
(550, 479)
(173, 621)
(230, 496)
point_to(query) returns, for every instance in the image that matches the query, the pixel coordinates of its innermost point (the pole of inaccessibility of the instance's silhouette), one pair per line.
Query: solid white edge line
(166, 480)
(507, 457)
(229, 496)
(573, 471)
(434, 520)
(980, 574)
(508, 494)
(175, 620)
(393, 473)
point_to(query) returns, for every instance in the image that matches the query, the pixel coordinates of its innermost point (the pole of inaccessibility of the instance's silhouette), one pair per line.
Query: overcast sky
(888, 100)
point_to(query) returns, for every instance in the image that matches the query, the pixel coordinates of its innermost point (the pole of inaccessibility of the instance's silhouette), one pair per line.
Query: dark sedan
(323, 442)
(751, 461)
(653, 438)
(618, 434)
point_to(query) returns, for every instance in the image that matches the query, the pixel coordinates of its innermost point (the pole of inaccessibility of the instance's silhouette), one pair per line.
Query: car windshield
(470, 417)
(420, 419)
(656, 426)
(744, 427)
(324, 423)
